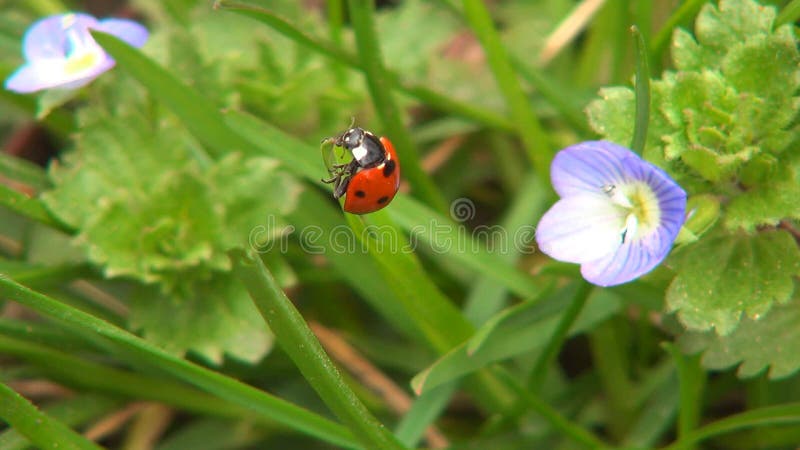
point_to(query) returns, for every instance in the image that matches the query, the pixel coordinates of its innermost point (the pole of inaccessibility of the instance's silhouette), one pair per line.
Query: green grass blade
(220, 385)
(299, 342)
(198, 113)
(692, 379)
(771, 415)
(520, 329)
(527, 124)
(573, 431)
(379, 83)
(443, 235)
(439, 320)
(789, 14)
(435, 100)
(39, 428)
(74, 371)
(424, 411)
(556, 340)
(71, 412)
(642, 89)
(564, 100)
(23, 171)
(488, 296)
(424, 223)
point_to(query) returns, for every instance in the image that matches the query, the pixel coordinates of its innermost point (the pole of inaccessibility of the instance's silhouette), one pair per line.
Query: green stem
(299, 342)
(379, 84)
(42, 430)
(642, 89)
(527, 124)
(553, 345)
(262, 403)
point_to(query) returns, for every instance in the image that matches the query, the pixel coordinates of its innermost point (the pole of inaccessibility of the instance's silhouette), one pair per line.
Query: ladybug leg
(341, 177)
(340, 187)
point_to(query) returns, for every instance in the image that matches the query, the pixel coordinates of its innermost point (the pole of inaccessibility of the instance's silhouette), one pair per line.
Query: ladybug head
(352, 138)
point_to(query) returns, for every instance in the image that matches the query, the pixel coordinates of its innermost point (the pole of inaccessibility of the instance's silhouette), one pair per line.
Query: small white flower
(61, 53)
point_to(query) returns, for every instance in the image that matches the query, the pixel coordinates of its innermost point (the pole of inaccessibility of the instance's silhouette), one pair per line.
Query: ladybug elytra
(371, 179)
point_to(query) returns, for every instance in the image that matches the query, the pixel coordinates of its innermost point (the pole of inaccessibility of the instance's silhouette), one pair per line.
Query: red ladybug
(370, 181)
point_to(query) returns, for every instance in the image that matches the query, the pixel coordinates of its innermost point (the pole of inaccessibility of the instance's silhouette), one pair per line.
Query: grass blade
(42, 430)
(299, 342)
(71, 412)
(198, 113)
(527, 124)
(771, 415)
(421, 92)
(262, 403)
(378, 82)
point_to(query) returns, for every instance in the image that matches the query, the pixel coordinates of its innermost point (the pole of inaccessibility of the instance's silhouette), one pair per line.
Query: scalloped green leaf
(723, 277)
(730, 102)
(768, 202)
(212, 318)
(772, 341)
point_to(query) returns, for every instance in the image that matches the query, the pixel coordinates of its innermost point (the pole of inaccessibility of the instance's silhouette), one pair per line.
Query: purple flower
(618, 214)
(61, 53)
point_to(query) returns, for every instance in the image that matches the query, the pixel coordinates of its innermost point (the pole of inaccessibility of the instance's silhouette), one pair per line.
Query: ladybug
(370, 181)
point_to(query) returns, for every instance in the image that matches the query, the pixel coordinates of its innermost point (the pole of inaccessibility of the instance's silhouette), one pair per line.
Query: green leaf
(768, 202)
(771, 341)
(212, 318)
(720, 278)
(726, 106)
(167, 218)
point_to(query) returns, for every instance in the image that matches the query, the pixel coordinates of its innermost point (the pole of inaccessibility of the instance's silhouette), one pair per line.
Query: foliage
(723, 124)
(179, 228)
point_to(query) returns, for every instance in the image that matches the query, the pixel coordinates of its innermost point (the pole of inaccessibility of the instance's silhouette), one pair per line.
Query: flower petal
(129, 31)
(47, 37)
(589, 167)
(34, 77)
(581, 228)
(630, 261)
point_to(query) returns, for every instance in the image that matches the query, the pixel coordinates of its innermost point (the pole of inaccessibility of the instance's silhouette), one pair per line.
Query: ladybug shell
(371, 189)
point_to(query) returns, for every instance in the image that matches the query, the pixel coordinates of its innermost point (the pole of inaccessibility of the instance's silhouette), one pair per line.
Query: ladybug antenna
(352, 122)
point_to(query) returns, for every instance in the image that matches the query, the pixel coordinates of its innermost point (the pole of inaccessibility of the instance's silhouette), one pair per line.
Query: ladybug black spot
(361, 194)
(388, 168)
(383, 200)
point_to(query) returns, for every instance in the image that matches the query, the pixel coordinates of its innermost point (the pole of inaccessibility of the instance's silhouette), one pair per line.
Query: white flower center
(81, 51)
(640, 205)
